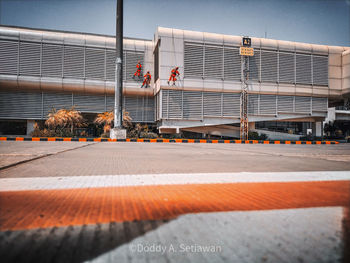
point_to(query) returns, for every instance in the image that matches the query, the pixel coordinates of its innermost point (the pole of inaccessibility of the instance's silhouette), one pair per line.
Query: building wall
(197, 105)
(346, 73)
(43, 60)
(212, 62)
(37, 105)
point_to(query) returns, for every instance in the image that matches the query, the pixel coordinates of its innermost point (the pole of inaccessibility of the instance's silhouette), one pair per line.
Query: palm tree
(65, 118)
(107, 118)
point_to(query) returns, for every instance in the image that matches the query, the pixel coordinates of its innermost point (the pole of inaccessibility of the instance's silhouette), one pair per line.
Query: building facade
(289, 82)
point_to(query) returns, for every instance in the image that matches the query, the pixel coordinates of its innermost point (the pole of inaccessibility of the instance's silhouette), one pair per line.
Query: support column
(251, 126)
(30, 126)
(318, 129)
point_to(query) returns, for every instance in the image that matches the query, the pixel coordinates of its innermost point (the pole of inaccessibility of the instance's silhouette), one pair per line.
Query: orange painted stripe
(202, 141)
(190, 140)
(238, 141)
(3, 138)
(36, 139)
(47, 208)
(97, 139)
(287, 142)
(298, 142)
(266, 142)
(318, 142)
(277, 142)
(51, 139)
(255, 141)
(67, 139)
(226, 141)
(215, 141)
(327, 142)
(308, 142)
(82, 139)
(139, 140)
(19, 139)
(165, 140)
(153, 140)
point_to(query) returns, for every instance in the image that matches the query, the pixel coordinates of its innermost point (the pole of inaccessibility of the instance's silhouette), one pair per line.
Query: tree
(65, 118)
(106, 119)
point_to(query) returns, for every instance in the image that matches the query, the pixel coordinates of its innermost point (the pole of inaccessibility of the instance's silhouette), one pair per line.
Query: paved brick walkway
(114, 203)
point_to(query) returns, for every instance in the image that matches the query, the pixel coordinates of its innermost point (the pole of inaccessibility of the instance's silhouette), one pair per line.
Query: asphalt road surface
(149, 202)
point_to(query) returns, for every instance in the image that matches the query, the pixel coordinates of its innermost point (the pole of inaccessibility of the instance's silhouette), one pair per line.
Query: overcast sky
(311, 21)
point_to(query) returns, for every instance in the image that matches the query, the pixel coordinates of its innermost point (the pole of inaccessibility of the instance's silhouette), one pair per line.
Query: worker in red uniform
(173, 75)
(138, 70)
(146, 80)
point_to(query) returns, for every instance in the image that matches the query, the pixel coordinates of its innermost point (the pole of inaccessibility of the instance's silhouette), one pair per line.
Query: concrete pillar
(251, 126)
(317, 129)
(30, 126)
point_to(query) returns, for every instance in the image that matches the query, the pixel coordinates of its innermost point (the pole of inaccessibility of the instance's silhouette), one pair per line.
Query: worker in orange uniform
(174, 73)
(146, 80)
(138, 70)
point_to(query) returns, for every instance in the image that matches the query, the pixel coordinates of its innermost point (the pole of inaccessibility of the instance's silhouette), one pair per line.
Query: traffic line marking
(98, 181)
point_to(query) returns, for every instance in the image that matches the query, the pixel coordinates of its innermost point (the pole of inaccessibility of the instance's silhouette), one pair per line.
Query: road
(152, 202)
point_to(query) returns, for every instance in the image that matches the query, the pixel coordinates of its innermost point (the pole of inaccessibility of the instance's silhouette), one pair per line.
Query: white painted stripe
(70, 182)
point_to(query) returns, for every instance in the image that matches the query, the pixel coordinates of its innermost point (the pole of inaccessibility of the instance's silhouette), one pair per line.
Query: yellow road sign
(246, 51)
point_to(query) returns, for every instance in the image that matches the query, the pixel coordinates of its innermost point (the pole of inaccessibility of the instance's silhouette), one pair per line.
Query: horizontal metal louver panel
(56, 101)
(193, 60)
(231, 105)
(29, 59)
(140, 109)
(213, 66)
(254, 66)
(109, 103)
(320, 70)
(8, 57)
(149, 109)
(286, 67)
(302, 104)
(164, 103)
(110, 64)
(253, 104)
(52, 60)
(212, 104)
(269, 66)
(20, 105)
(232, 64)
(95, 63)
(267, 104)
(157, 107)
(192, 105)
(89, 103)
(175, 104)
(320, 104)
(134, 106)
(73, 62)
(131, 59)
(303, 66)
(285, 104)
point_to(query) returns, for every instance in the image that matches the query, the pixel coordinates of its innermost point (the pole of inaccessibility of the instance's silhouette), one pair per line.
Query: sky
(311, 21)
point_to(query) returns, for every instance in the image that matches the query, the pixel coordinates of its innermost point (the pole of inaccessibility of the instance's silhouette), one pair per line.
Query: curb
(54, 139)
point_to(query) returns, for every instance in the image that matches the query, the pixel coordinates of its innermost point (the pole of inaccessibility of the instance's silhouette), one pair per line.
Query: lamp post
(118, 132)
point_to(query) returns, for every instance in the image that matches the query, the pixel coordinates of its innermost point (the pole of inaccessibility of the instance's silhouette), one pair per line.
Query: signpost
(245, 51)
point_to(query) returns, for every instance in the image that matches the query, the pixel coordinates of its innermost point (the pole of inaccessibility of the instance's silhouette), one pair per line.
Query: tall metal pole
(244, 100)
(118, 96)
